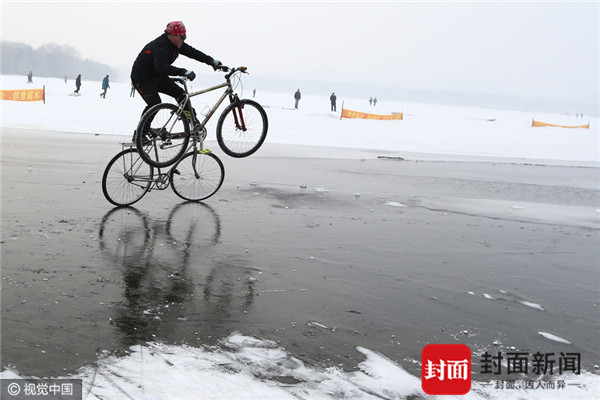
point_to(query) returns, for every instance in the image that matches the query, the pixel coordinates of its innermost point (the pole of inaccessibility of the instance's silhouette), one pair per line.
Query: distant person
(333, 99)
(78, 83)
(65, 78)
(297, 96)
(152, 67)
(374, 101)
(105, 87)
(30, 77)
(370, 101)
(254, 93)
(132, 93)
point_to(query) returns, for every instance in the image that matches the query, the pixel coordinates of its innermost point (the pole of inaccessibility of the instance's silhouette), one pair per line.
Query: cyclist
(152, 67)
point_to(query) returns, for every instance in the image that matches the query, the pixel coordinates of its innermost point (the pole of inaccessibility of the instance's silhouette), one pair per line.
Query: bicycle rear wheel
(165, 135)
(242, 128)
(197, 176)
(127, 178)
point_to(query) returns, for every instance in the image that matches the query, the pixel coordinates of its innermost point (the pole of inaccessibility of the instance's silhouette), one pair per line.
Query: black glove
(190, 75)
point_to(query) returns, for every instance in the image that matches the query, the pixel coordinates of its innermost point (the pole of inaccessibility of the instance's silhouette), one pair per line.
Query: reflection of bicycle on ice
(163, 139)
(161, 262)
(126, 233)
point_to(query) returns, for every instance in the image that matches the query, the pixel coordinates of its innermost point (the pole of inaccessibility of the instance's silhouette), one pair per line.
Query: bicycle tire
(194, 224)
(123, 235)
(197, 176)
(165, 135)
(119, 183)
(241, 137)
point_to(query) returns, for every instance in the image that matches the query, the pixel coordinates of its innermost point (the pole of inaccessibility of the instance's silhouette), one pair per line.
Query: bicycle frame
(161, 180)
(225, 94)
(239, 119)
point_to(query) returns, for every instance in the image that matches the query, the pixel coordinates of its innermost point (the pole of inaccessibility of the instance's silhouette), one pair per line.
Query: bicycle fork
(239, 120)
(238, 115)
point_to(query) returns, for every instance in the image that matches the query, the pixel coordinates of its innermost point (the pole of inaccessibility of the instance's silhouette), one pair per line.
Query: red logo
(446, 369)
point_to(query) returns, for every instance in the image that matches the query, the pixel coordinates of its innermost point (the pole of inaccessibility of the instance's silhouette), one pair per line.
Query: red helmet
(175, 28)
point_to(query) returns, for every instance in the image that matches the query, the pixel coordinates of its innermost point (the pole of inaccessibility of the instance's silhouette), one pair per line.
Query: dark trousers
(150, 89)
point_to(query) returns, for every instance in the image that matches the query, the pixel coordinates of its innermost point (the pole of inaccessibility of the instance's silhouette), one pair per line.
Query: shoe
(145, 139)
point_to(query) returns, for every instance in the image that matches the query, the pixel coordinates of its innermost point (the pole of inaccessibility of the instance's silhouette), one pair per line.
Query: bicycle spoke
(126, 178)
(197, 176)
(169, 135)
(242, 128)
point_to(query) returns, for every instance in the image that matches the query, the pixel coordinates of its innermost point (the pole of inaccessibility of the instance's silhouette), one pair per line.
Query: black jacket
(155, 59)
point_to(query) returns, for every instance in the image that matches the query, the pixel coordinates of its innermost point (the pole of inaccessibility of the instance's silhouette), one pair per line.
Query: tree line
(50, 60)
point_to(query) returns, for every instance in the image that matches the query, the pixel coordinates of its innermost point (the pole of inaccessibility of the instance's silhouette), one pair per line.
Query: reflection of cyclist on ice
(152, 67)
(159, 279)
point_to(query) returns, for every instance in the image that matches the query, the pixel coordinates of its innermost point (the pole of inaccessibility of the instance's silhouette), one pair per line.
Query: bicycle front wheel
(164, 136)
(127, 178)
(242, 128)
(197, 176)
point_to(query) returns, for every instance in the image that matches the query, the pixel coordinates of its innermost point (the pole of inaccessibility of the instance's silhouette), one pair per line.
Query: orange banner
(538, 123)
(23, 95)
(358, 114)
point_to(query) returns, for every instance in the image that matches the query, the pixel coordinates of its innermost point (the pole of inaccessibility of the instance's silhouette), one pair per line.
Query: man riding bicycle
(152, 67)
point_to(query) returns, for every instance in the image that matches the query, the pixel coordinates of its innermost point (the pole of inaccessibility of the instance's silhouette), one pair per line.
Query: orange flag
(358, 114)
(538, 123)
(23, 95)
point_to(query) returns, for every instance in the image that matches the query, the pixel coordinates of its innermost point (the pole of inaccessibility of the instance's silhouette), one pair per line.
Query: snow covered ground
(427, 128)
(243, 367)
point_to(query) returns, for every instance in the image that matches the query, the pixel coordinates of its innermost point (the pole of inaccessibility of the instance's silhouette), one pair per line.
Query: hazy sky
(534, 49)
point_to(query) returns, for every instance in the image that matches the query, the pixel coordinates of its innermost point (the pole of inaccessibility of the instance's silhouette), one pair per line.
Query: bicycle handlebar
(231, 71)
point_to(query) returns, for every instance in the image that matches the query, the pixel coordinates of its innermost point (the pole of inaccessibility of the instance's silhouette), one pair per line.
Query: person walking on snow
(153, 65)
(297, 96)
(333, 98)
(105, 87)
(78, 83)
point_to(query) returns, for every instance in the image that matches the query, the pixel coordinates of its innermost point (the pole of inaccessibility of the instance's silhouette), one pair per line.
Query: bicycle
(195, 176)
(167, 128)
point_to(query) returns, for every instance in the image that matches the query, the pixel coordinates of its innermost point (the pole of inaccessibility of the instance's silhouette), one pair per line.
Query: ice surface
(559, 214)
(554, 337)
